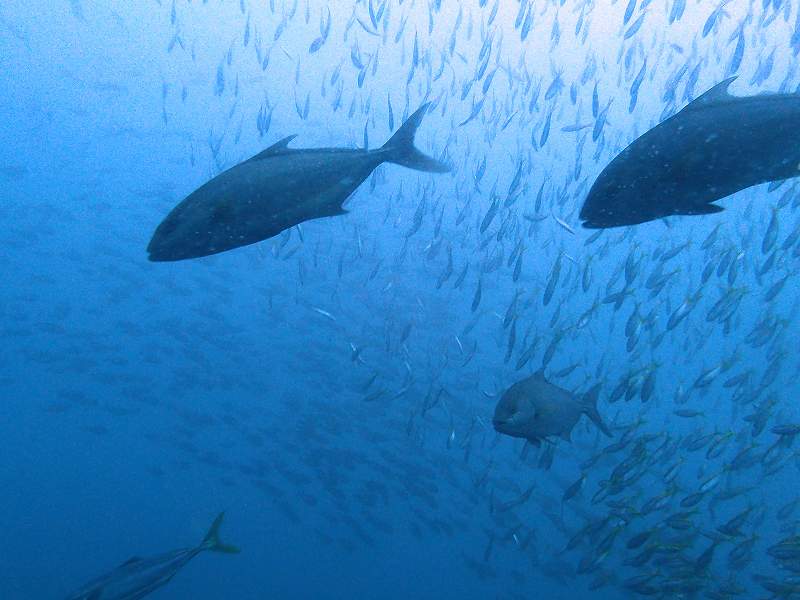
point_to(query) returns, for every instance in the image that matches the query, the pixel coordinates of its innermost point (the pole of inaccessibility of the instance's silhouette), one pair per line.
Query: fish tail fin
(400, 147)
(590, 409)
(212, 541)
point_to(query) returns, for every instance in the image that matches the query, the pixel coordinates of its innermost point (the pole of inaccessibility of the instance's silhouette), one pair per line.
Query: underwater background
(332, 388)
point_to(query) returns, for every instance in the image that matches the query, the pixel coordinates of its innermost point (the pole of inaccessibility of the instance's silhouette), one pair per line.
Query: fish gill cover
(333, 387)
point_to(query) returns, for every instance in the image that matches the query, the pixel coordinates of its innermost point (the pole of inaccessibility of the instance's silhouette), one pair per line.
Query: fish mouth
(593, 225)
(500, 424)
(507, 428)
(166, 246)
(159, 251)
(170, 252)
(599, 222)
(593, 219)
(158, 257)
(170, 241)
(599, 217)
(590, 220)
(595, 216)
(169, 255)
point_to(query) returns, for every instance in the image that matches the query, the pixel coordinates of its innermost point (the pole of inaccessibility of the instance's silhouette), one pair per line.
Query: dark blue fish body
(717, 145)
(138, 577)
(275, 190)
(535, 409)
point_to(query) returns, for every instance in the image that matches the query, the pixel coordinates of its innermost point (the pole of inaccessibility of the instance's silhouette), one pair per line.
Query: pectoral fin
(534, 441)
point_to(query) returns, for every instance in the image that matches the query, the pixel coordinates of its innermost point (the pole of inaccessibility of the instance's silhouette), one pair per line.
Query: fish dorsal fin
(131, 560)
(279, 147)
(718, 93)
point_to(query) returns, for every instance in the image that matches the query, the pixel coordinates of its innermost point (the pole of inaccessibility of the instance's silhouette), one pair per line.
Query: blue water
(320, 387)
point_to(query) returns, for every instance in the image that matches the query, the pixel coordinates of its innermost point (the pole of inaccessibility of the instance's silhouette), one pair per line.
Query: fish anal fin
(718, 93)
(333, 211)
(279, 147)
(525, 450)
(534, 441)
(589, 403)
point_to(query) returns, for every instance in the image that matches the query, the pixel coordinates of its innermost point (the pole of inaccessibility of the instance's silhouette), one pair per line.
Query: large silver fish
(138, 577)
(277, 189)
(717, 145)
(535, 409)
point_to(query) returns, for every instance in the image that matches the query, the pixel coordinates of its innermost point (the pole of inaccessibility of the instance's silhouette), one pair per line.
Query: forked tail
(590, 409)
(212, 541)
(400, 147)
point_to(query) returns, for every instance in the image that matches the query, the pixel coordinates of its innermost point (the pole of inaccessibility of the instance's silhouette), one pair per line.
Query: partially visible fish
(138, 577)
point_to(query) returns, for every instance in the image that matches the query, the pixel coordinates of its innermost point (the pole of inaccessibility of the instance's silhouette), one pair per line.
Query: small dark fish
(788, 429)
(574, 488)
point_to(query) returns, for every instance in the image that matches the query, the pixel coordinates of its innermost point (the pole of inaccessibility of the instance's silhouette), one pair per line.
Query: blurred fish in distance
(138, 577)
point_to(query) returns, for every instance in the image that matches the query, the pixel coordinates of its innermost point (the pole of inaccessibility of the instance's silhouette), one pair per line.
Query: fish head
(193, 229)
(515, 415)
(610, 204)
(630, 191)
